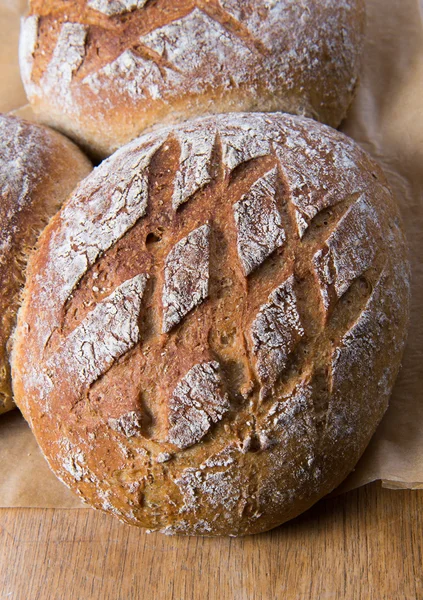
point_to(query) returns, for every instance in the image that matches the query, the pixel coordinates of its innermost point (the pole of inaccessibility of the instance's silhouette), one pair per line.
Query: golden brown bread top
(103, 72)
(224, 307)
(38, 170)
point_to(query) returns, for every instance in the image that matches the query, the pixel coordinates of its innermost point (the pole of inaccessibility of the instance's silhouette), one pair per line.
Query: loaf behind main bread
(103, 72)
(213, 323)
(38, 170)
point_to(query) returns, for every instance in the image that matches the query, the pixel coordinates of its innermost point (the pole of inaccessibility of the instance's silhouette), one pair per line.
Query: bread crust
(225, 306)
(38, 170)
(105, 72)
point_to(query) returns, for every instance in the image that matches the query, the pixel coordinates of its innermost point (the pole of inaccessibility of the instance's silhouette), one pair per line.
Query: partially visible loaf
(38, 170)
(213, 323)
(103, 72)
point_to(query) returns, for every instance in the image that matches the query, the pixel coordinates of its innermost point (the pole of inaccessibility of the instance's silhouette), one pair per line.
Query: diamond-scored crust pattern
(200, 395)
(100, 60)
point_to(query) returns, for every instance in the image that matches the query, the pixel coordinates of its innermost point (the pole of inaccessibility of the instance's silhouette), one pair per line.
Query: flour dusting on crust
(27, 44)
(197, 402)
(260, 400)
(356, 358)
(194, 171)
(275, 333)
(132, 75)
(187, 48)
(264, 18)
(217, 483)
(107, 333)
(202, 49)
(21, 164)
(100, 213)
(128, 424)
(360, 346)
(349, 251)
(259, 223)
(294, 417)
(67, 57)
(293, 56)
(241, 142)
(115, 7)
(73, 460)
(186, 277)
(318, 176)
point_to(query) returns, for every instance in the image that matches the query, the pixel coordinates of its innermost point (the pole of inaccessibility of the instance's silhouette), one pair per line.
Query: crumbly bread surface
(38, 170)
(213, 323)
(103, 72)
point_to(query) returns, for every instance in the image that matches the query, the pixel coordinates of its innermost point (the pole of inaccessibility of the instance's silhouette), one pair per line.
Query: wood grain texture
(365, 545)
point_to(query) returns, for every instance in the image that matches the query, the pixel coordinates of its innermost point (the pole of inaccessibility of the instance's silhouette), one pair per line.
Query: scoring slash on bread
(105, 71)
(38, 170)
(213, 323)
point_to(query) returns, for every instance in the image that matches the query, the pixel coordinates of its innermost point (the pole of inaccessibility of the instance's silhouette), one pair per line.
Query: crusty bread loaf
(103, 72)
(38, 170)
(213, 324)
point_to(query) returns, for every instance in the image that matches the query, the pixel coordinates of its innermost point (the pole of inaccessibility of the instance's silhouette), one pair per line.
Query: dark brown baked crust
(104, 72)
(38, 170)
(213, 324)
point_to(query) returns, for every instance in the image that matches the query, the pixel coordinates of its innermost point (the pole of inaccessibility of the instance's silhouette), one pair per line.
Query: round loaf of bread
(38, 170)
(213, 323)
(104, 71)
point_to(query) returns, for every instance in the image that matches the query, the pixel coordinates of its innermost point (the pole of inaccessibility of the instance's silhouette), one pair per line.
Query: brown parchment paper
(387, 120)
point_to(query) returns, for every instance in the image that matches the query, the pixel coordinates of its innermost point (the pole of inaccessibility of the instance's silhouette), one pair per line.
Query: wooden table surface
(364, 545)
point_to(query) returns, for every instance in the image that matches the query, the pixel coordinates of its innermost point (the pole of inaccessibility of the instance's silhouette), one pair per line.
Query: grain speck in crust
(213, 323)
(105, 71)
